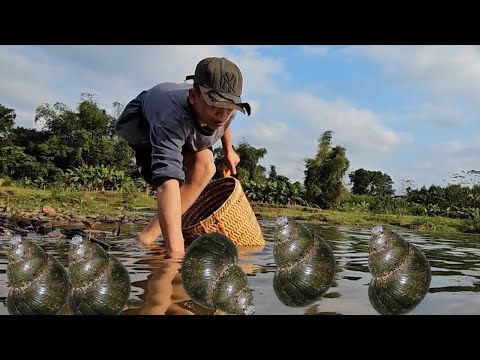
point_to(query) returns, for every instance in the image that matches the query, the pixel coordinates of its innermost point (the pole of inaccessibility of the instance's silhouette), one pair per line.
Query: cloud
(147, 65)
(25, 82)
(260, 72)
(443, 115)
(457, 154)
(355, 128)
(452, 71)
(295, 124)
(286, 146)
(437, 164)
(32, 76)
(23, 119)
(268, 132)
(141, 63)
(452, 147)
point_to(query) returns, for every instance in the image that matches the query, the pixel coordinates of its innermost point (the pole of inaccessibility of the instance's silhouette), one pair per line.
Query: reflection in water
(305, 264)
(157, 287)
(163, 292)
(212, 277)
(163, 289)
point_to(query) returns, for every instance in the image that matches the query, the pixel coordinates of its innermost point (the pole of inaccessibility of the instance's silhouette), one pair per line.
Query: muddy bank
(47, 219)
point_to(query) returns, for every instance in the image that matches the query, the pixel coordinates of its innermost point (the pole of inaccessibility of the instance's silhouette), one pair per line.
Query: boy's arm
(231, 157)
(170, 218)
(168, 175)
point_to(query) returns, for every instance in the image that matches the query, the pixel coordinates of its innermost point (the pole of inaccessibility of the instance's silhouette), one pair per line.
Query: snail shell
(305, 264)
(100, 282)
(39, 282)
(212, 277)
(401, 273)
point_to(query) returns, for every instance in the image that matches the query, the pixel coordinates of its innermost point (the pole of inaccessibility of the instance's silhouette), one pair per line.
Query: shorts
(143, 159)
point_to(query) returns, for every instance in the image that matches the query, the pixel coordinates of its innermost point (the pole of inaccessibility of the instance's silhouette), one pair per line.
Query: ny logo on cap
(228, 82)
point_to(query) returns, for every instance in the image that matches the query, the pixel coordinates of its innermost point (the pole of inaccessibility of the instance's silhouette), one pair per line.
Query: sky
(407, 111)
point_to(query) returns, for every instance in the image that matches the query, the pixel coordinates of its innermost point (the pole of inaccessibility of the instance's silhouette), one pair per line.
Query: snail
(212, 277)
(39, 282)
(100, 282)
(401, 273)
(305, 262)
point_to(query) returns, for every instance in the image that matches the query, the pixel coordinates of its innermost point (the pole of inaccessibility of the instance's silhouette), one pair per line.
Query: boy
(172, 128)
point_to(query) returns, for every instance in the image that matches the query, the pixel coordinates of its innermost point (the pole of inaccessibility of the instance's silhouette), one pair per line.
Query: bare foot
(146, 239)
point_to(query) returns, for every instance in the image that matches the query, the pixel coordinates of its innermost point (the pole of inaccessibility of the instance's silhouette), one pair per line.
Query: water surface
(157, 288)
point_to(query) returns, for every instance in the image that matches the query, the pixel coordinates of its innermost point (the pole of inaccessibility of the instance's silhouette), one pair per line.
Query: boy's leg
(151, 232)
(200, 169)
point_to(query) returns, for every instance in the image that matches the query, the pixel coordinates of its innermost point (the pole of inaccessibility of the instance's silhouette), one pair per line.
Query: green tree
(366, 182)
(7, 120)
(248, 169)
(273, 172)
(381, 184)
(83, 136)
(360, 179)
(15, 164)
(324, 173)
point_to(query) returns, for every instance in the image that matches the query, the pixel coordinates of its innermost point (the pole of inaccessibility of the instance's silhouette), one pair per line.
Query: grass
(364, 219)
(15, 200)
(107, 203)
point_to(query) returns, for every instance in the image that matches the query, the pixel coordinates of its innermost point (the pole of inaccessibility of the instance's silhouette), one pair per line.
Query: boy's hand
(232, 159)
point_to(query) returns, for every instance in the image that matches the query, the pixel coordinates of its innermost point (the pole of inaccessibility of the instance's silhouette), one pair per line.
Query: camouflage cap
(220, 82)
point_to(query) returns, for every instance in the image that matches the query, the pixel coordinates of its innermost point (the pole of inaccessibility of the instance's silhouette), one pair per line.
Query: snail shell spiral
(100, 282)
(305, 264)
(401, 273)
(212, 277)
(39, 282)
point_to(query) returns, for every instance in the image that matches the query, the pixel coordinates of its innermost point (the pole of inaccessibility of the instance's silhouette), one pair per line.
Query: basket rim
(212, 184)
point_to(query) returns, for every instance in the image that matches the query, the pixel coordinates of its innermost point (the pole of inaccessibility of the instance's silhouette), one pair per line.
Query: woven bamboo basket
(223, 207)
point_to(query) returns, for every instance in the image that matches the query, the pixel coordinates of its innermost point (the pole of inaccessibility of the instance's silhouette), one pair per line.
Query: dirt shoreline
(43, 223)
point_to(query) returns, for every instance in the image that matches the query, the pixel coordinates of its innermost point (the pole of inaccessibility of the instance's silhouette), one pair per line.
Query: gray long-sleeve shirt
(162, 118)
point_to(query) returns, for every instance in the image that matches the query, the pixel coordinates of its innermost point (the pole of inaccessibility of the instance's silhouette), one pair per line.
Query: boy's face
(210, 116)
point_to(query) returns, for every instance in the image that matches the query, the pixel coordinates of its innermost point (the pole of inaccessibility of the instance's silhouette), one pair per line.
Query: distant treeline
(77, 149)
